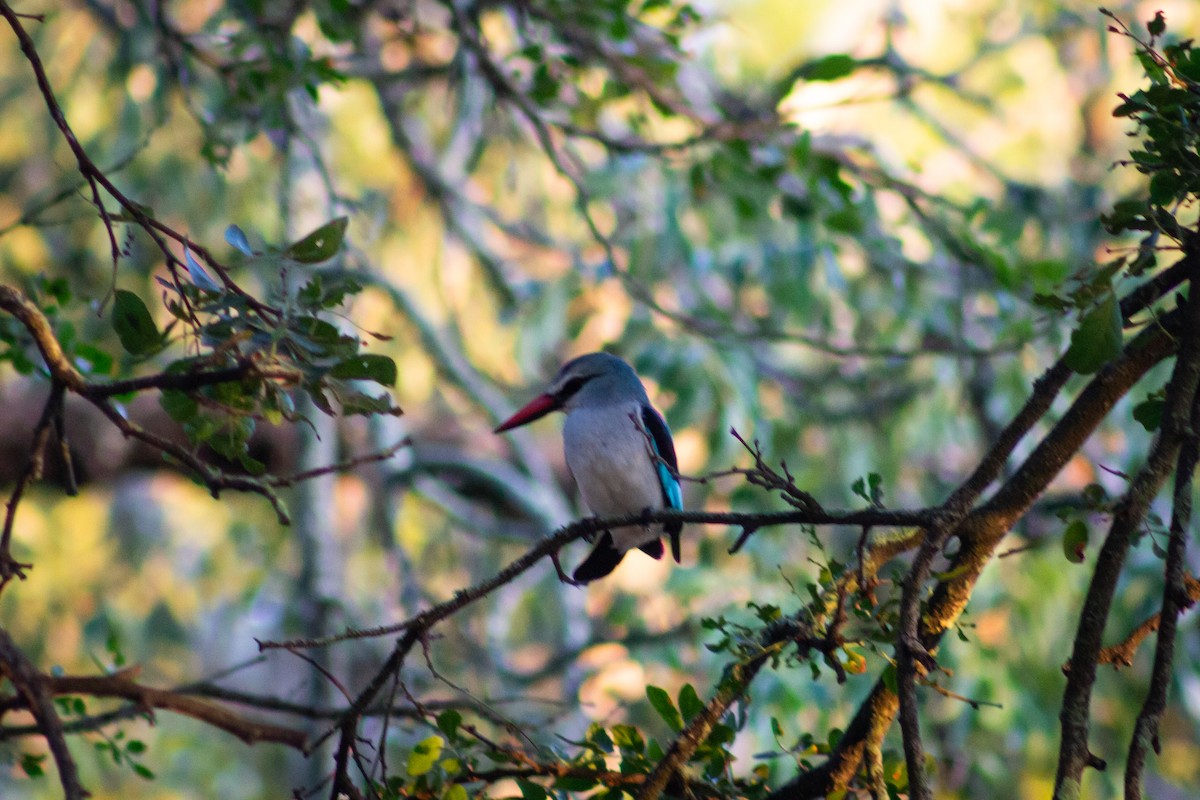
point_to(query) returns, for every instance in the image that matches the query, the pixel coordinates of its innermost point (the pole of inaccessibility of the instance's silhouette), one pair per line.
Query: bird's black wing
(667, 469)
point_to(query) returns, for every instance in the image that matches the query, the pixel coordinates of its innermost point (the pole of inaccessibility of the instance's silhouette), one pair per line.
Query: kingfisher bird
(619, 450)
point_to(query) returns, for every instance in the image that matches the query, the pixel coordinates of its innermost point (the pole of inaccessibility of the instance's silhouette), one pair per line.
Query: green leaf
(530, 790)
(889, 679)
(448, 722)
(424, 755)
(179, 406)
(31, 765)
(661, 701)
(98, 361)
(455, 792)
(1166, 187)
(628, 737)
(321, 339)
(1148, 413)
(574, 783)
(1158, 25)
(545, 86)
(847, 220)
(829, 68)
(143, 771)
(690, 703)
(134, 325)
(327, 292)
(320, 245)
(1098, 338)
(598, 738)
(367, 367)
(1075, 539)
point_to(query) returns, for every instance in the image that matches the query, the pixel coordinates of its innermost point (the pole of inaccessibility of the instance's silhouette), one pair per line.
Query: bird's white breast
(608, 454)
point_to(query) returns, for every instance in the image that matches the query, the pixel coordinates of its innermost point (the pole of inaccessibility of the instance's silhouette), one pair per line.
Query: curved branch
(10, 567)
(38, 326)
(1074, 755)
(1175, 598)
(147, 698)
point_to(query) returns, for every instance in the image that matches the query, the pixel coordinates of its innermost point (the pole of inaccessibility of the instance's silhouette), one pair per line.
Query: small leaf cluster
(119, 748)
(262, 67)
(125, 752)
(1167, 115)
(611, 38)
(273, 350)
(895, 770)
(870, 489)
(1099, 334)
(456, 762)
(712, 756)
(435, 765)
(831, 626)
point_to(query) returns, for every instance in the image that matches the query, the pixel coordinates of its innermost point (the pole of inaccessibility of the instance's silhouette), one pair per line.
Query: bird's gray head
(596, 379)
(592, 381)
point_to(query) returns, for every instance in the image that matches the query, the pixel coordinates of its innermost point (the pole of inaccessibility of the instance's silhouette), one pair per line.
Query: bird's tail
(602, 560)
(672, 530)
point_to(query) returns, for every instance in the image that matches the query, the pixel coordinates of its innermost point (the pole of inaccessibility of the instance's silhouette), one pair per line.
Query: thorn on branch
(743, 537)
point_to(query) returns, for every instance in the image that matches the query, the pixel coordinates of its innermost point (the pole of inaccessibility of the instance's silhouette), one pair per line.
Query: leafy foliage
(572, 172)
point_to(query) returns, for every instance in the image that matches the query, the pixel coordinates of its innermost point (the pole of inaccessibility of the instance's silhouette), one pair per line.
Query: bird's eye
(572, 386)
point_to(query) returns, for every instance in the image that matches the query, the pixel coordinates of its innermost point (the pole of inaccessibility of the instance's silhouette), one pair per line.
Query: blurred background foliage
(822, 224)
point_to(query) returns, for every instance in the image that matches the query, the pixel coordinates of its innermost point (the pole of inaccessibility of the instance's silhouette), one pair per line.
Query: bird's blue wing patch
(664, 447)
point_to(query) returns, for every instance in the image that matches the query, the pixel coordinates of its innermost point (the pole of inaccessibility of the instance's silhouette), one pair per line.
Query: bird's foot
(562, 576)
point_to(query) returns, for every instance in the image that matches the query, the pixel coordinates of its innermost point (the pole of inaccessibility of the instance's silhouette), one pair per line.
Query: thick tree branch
(1175, 598)
(909, 649)
(1074, 755)
(981, 532)
(146, 698)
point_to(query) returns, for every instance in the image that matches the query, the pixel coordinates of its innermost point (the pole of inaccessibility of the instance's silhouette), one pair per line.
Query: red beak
(539, 406)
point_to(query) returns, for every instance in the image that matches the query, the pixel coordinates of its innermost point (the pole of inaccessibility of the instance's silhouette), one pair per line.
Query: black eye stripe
(572, 386)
